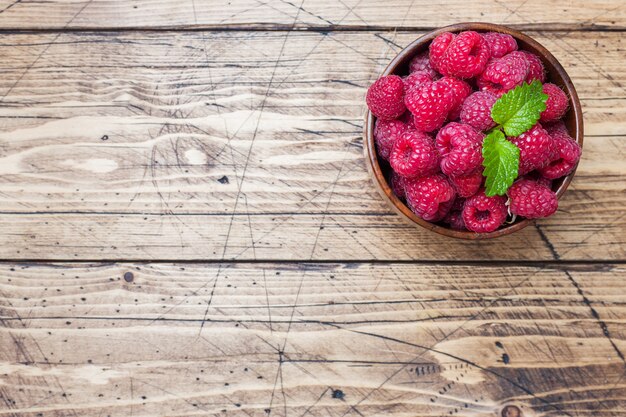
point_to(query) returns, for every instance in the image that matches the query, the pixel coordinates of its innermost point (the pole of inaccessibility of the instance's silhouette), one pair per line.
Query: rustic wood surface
(248, 146)
(187, 226)
(319, 339)
(333, 14)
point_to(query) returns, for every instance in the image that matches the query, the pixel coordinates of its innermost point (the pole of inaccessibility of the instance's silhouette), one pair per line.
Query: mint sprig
(501, 162)
(515, 112)
(520, 109)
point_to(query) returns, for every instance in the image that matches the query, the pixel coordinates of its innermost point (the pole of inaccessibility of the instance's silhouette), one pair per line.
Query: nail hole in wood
(129, 277)
(338, 394)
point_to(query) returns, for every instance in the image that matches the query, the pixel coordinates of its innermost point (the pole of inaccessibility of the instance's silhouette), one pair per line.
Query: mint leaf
(501, 162)
(519, 109)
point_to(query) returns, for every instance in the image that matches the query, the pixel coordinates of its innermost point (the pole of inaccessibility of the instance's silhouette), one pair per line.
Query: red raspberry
(407, 118)
(466, 56)
(460, 148)
(565, 158)
(504, 74)
(536, 70)
(476, 110)
(384, 97)
(536, 149)
(414, 155)
(429, 197)
(555, 128)
(467, 185)
(455, 216)
(483, 214)
(430, 104)
(386, 132)
(437, 50)
(416, 79)
(500, 44)
(459, 90)
(397, 185)
(421, 62)
(531, 200)
(556, 105)
(538, 178)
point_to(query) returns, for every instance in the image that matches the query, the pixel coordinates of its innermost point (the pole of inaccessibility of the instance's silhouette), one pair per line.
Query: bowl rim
(410, 50)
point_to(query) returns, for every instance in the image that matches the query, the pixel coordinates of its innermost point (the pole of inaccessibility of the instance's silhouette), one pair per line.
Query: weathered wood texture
(247, 145)
(335, 14)
(311, 339)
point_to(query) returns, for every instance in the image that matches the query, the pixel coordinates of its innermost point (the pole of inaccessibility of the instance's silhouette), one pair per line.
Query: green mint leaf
(501, 162)
(519, 109)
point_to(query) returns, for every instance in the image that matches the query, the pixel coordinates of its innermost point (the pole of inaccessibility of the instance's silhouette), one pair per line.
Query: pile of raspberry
(431, 123)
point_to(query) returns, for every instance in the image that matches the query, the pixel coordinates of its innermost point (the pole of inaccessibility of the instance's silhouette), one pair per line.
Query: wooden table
(187, 226)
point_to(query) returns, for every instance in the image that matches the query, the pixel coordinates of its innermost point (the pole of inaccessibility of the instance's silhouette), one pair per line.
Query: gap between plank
(262, 27)
(594, 264)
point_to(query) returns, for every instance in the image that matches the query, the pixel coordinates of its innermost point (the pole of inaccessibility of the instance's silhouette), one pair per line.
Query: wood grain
(247, 145)
(318, 14)
(311, 339)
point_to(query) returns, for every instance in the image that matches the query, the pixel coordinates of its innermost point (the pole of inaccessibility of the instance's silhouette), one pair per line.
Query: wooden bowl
(399, 65)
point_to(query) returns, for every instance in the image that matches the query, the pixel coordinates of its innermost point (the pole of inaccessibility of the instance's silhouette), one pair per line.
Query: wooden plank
(311, 339)
(248, 146)
(321, 14)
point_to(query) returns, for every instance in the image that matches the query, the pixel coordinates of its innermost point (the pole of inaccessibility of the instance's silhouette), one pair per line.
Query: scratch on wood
(10, 5)
(388, 41)
(29, 67)
(596, 316)
(549, 244)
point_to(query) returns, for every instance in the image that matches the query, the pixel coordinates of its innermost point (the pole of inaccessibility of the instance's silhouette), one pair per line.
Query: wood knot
(511, 411)
(129, 277)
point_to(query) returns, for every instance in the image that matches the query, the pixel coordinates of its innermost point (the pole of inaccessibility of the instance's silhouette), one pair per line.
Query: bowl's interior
(399, 66)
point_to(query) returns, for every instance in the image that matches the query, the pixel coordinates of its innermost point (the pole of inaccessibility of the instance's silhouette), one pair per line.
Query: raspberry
(429, 197)
(460, 148)
(455, 216)
(467, 185)
(500, 44)
(483, 214)
(556, 105)
(386, 132)
(430, 104)
(407, 118)
(459, 90)
(416, 79)
(538, 178)
(555, 128)
(414, 155)
(536, 148)
(466, 56)
(536, 70)
(397, 185)
(437, 50)
(504, 74)
(384, 97)
(531, 200)
(566, 156)
(476, 110)
(421, 62)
